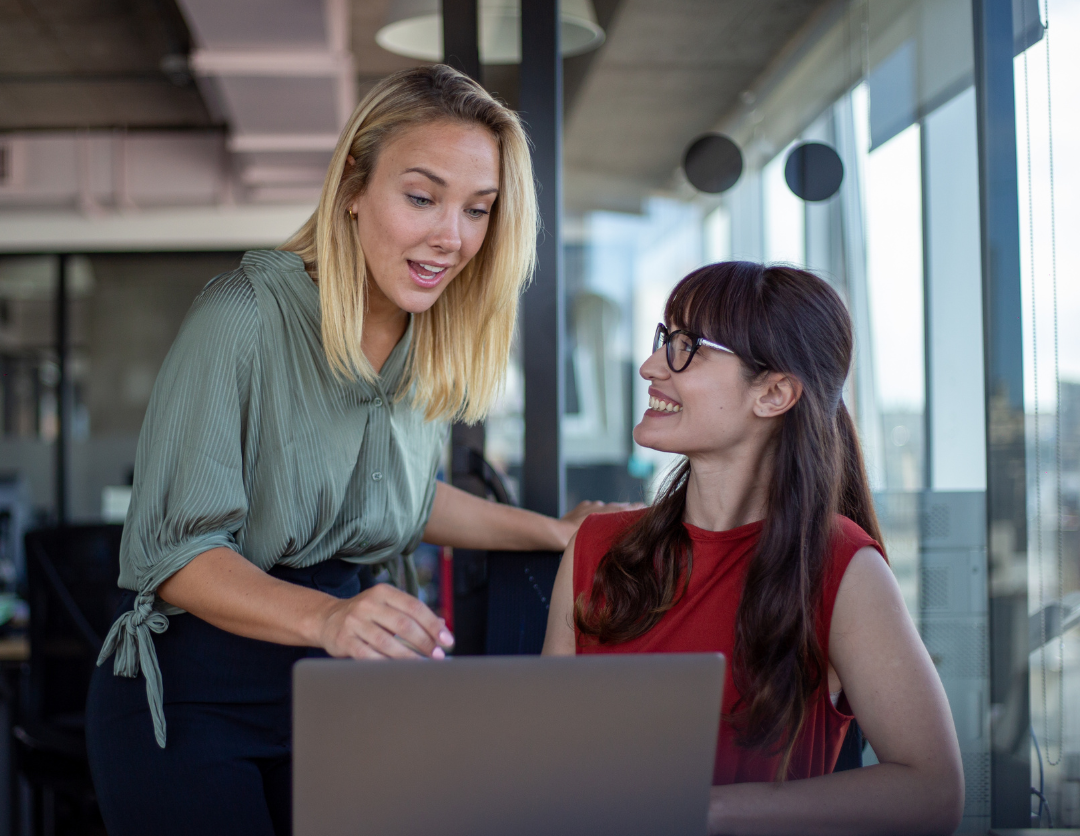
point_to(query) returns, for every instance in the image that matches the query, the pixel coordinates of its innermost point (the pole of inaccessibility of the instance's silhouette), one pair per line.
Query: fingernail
(446, 638)
(438, 653)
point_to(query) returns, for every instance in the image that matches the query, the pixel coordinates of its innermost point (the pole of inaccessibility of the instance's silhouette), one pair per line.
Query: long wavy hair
(461, 344)
(775, 319)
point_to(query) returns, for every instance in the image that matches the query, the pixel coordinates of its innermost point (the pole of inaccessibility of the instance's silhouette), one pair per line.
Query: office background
(145, 144)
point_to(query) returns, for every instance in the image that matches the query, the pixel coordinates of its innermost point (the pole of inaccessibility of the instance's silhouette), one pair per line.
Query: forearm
(465, 521)
(221, 587)
(879, 799)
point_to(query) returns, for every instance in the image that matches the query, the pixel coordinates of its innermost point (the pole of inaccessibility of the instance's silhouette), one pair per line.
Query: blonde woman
(292, 441)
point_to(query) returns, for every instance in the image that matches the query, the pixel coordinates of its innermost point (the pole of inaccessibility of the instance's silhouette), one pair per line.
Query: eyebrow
(437, 180)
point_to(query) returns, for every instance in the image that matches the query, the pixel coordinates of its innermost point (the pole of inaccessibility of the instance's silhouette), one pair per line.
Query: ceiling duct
(280, 74)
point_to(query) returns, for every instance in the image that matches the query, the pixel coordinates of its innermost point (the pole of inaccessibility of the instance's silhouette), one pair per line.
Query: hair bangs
(721, 302)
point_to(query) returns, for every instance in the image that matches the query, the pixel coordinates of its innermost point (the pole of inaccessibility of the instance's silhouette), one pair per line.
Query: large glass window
(1047, 78)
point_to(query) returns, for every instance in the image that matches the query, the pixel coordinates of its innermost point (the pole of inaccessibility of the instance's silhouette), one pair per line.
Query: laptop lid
(530, 746)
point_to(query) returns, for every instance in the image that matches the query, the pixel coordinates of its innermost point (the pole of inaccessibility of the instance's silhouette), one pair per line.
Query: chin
(418, 301)
(653, 440)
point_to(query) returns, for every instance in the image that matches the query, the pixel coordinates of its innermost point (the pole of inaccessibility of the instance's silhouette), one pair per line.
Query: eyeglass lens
(680, 347)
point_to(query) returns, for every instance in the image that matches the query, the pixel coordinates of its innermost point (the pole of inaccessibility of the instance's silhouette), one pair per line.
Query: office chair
(500, 598)
(72, 589)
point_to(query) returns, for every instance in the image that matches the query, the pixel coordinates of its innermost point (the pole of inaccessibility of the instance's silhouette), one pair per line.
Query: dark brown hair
(775, 319)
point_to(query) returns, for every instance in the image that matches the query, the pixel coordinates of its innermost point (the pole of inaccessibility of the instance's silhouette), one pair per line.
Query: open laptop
(505, 746)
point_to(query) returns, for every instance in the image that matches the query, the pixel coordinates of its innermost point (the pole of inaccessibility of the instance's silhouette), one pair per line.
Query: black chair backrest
(71, 578)
(519, 597)
(501, 599)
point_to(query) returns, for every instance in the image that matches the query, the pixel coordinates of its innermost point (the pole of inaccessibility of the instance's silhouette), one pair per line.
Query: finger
(360, 649)
(419, 613)
(398, 623)
(384, 642)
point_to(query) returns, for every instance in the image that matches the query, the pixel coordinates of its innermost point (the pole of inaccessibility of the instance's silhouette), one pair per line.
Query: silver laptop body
(505, 746)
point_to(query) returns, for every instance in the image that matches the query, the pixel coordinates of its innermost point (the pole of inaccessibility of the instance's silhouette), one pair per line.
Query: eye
(476, 214)
(419, 200)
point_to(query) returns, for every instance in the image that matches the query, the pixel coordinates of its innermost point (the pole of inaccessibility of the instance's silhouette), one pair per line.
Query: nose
(446, 233)
(655, 367)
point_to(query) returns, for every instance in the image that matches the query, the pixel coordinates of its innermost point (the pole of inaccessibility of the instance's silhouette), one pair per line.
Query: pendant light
(413, 28)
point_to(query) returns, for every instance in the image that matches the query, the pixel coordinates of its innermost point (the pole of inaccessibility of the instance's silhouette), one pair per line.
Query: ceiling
(70, 64)
(279, 76)
(669, 71)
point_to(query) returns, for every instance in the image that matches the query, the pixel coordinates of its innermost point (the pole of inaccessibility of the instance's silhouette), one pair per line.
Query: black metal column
(543, 322)
(461, 28)
(461, 50)
(1010, 767)
(63, 413)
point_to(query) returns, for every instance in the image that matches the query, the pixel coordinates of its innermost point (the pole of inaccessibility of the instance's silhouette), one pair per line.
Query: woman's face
(708, 408)
(425, 211)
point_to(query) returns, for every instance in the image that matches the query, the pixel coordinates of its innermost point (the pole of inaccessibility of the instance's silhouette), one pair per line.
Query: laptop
(505, 746)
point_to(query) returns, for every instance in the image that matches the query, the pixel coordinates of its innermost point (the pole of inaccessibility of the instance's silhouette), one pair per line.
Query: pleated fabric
(252, 443)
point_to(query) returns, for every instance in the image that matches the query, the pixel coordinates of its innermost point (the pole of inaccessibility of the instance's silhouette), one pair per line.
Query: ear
(777, 394)
(350, 161)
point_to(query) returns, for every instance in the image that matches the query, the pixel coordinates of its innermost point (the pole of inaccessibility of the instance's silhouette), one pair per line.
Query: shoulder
(227, 299)
(595, 537)
(851, 546)
(221, 329)
(599, 531)
(849, 537)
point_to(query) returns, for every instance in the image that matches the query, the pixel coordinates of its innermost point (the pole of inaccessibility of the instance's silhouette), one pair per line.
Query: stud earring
(351, 213)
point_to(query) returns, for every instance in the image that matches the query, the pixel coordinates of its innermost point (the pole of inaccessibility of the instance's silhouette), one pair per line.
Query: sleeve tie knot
(131, 640)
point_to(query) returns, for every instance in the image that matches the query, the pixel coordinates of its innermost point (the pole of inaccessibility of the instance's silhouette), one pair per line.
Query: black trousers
(226, 767)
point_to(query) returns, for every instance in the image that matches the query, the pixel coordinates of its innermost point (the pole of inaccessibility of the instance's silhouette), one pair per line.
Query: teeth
(432, 268)
(663, 406)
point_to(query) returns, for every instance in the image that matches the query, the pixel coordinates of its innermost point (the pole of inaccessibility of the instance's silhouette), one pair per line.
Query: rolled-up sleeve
(189, 492)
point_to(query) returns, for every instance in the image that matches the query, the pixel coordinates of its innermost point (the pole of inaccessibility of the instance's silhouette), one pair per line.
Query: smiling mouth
(427, 275)
(660, 405)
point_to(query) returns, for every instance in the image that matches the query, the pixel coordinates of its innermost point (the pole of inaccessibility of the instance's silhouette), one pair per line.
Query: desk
(15, 649)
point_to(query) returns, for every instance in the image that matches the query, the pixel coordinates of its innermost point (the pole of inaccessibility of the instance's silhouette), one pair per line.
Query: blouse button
(376, 475)
(377, 402)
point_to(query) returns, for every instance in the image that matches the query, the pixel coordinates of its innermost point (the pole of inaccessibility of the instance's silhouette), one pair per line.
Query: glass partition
(1047, 78)
(29, 374)
(122, 322)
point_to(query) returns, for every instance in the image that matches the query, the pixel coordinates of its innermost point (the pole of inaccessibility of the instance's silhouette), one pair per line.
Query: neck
(384, 326)
(725, 492)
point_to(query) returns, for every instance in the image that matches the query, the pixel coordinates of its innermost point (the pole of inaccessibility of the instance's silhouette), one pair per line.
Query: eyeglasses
(682, 346)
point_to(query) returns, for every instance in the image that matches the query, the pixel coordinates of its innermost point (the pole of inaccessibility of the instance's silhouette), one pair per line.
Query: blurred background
(921, 155)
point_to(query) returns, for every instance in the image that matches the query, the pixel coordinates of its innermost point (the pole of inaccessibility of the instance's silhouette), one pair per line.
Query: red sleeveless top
(703, 621)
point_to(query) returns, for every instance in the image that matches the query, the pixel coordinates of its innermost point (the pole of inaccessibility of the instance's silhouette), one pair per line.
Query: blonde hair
(461, 344)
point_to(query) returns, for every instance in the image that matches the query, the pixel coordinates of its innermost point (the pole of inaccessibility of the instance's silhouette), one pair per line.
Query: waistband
(203, 663)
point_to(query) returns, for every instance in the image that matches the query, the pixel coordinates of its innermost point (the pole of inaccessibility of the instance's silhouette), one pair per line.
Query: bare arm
(465, 521)
(559, 640)
(896, 694)
(222, 588)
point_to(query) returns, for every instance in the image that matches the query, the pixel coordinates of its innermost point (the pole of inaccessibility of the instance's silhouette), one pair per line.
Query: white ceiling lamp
(414, 29)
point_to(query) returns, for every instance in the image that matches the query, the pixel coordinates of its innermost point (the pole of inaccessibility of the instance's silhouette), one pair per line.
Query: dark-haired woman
(763, 545)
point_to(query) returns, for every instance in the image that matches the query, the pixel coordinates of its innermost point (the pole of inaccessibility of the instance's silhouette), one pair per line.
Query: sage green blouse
(252, 443)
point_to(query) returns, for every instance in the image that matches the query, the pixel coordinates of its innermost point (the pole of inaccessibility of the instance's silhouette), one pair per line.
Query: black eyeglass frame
(663, 337)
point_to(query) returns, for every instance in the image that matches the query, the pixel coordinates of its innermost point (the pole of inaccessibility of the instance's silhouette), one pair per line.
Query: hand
(383, 622)
(572, 520)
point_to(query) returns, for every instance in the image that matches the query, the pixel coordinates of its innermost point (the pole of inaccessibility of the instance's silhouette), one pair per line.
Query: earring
(351, 214)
